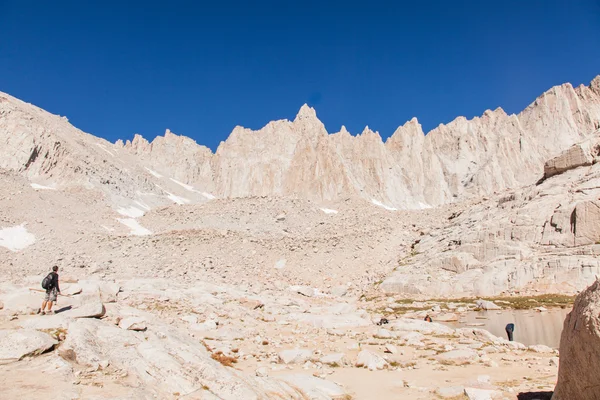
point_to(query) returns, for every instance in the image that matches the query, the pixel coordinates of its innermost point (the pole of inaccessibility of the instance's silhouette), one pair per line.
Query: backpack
(47, 282)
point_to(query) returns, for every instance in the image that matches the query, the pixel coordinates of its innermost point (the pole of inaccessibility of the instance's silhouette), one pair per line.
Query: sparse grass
(223, 359)
(344, 397)
(508, 302)
(59, 333)
(459, 397)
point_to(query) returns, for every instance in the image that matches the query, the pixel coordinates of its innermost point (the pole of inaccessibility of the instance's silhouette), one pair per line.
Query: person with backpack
(50, 283)
(510, 328)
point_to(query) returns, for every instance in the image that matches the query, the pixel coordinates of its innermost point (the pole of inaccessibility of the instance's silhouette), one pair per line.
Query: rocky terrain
(261, 270)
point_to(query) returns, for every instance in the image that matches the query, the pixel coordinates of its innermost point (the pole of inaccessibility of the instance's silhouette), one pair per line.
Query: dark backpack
(47, 282)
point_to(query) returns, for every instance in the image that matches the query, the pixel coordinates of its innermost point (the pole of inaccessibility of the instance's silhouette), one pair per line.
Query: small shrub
(223, 359)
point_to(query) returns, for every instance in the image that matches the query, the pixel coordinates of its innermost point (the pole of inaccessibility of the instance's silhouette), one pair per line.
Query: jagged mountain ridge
(299, 158)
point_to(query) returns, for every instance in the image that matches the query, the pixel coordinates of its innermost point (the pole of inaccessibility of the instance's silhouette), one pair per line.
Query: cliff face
(410, 170)
(299, 158)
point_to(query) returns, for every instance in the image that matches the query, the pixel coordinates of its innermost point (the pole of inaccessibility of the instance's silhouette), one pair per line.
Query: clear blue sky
(116, 68)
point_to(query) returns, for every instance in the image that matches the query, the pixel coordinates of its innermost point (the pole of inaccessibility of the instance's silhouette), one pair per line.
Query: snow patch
(41, 187)
(176, 199)
(424, 206)
(173, 198)
(188, 187)
(107, 228)
(380, 204)
(191, 189)
(329, 211)
(142, 204)
(16, 238)
(132, 211)
(104, 148)
(134, 226)
(156, 174)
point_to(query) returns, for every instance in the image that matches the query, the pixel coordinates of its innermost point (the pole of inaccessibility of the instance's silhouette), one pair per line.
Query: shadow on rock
(535, 396)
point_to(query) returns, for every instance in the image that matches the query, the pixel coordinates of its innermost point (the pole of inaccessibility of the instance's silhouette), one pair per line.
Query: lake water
(531, 327)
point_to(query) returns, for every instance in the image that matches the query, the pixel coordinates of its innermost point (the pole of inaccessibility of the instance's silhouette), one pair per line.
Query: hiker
(510, 328)
(428, 318)
(50, 283)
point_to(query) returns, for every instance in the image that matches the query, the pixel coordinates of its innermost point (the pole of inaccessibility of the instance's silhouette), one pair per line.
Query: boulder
(108, 290)
(415, 325)
(480, 394)
(89, 306)
(458, 357)
(339, 291)
(540, 348)
(133, 324)
(580, 349)
(335, 360)
(315, 388)
(447, 317)
(578, 155)
(487, 305)
(46, 322)
(450, 392)
(295, 356)
(372, 361)
(383, 334)
(20, 343)
(390, 348)
(304, 290)
(164, 363)
(72, 289)
(585, 222)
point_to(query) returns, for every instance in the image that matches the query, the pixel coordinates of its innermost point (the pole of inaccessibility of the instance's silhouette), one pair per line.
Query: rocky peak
(595, 85)
(306, 112)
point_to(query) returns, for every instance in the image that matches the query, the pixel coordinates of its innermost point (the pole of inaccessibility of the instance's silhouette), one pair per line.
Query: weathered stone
(585, 223)
(89, 306)
(20, 343)
(577, 155)
(370, 360)
(315, 388)
(540, 348)
(383, 334)
(450, 392)
(133, 324)
(339, 291)
(487, 305)
(458, 357)
(413, 325)
(580, 349)
(336, 359)
(480, 394)
(295, 356)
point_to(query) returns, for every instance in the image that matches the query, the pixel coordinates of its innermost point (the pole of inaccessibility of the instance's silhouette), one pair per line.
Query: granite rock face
(580, 349)
(299, 158)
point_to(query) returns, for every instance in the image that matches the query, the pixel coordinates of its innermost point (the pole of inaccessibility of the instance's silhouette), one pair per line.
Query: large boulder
(372, 361)
(166, 360)
(315, 388)
(295, 356)
(88, 306)
(578, 155)
(585, 223)
(580, 349)
(19, 343)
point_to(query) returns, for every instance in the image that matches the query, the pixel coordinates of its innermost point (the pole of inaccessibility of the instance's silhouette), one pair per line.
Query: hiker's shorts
(51, 295)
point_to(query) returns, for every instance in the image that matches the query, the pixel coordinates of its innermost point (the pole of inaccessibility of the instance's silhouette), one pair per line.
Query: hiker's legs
(43, 305)
(49, 306)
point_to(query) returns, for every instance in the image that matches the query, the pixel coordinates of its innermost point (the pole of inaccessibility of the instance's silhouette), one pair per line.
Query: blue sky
(200, 68)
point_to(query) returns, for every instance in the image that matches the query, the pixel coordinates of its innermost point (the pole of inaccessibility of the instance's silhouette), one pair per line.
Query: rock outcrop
(580, 349)
(299, 158)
